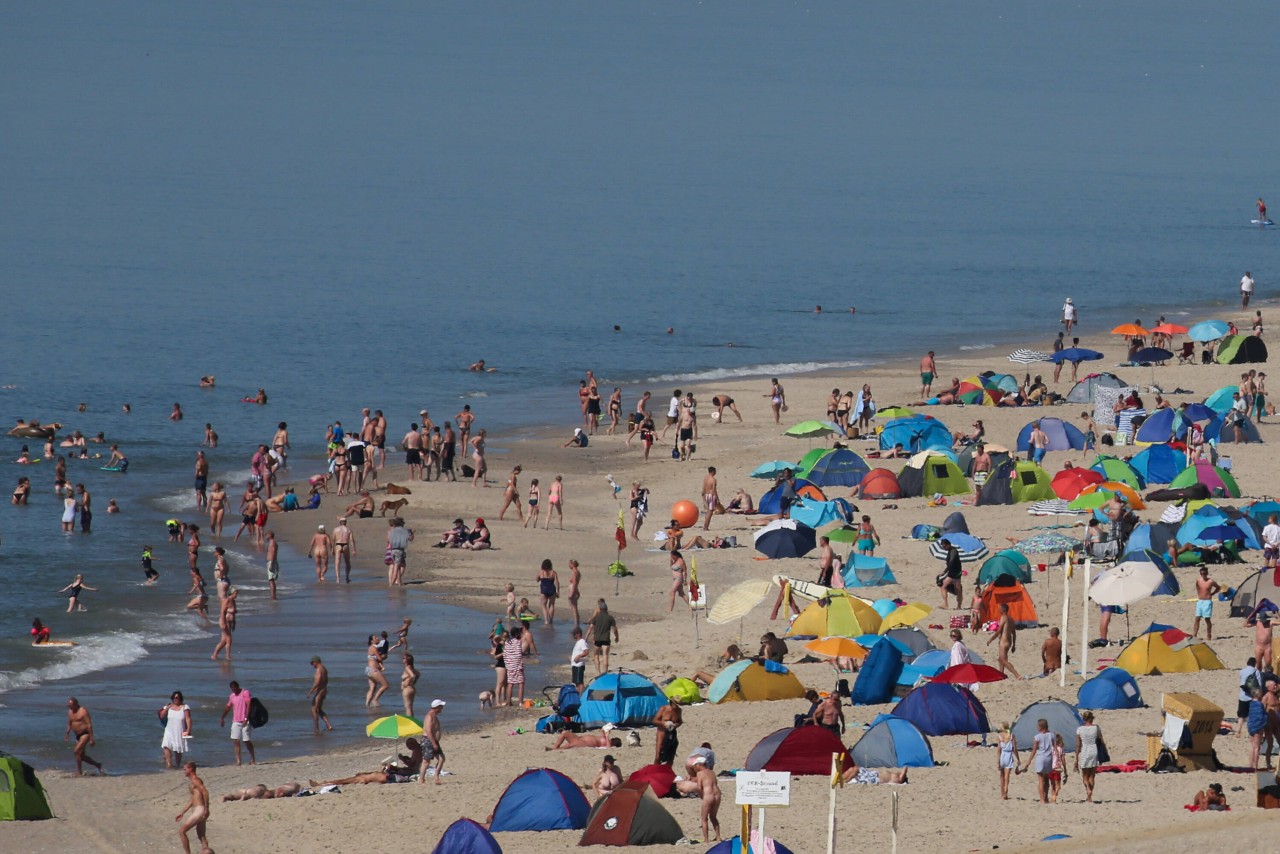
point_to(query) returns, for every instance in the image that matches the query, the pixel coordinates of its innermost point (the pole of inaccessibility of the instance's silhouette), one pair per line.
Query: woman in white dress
(177, 728)
(1088, 737)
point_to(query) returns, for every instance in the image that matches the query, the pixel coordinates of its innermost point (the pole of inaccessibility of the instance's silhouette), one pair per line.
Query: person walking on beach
(668, 720)
(81, 725)
(241, 731)
(710, 496)
(1007, 759)
(511, 495)
(1008, 635)
(548, 590)
(317, 692)
(1246, 289)
(578, 660)
(777, 401)
(273, 562)
(176, 717)
(74, 588)
(198, 806)
(318, 550)
(1042, 757)
(373, 671)
(217, 508)
(398, 539)
(602, 623)
(477, 456)
(1039, 442)
(555, 502)
(1068, 315)
(868, 536)
(928, 370)
(1088, 745)
(535, 495)
(679, 574)
(673, 412)
(686, 430)
(952, 576)
(431, 749)
(1206, 588)
(513, 656)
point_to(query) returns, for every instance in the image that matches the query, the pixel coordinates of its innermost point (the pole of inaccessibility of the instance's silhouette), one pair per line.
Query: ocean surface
(348, 204)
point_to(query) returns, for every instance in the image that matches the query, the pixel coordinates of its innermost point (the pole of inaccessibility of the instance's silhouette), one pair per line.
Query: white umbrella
(1125, 583)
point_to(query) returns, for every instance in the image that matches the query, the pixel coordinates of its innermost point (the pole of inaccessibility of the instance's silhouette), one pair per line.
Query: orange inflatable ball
(685, 512)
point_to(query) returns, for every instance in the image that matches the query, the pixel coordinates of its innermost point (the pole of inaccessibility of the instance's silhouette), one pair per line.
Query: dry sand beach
(953, 807)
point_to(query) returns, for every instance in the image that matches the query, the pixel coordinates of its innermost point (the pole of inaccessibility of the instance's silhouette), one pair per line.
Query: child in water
(147, 569)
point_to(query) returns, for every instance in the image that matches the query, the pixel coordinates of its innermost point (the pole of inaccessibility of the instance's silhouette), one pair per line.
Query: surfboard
(54, 644)
(1262, 222)
(112, 468)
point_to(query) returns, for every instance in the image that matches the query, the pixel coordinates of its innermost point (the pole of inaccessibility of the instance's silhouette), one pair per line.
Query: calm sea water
(349, 204)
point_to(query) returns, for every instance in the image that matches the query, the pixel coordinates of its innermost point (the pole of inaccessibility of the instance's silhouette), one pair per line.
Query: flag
(693, 580)
(621, 533)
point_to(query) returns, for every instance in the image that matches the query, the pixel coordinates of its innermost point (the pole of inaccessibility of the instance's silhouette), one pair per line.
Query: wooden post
(836, 781)
(1084, 619)
(894, 793)
(1066, 612)
(744, 832)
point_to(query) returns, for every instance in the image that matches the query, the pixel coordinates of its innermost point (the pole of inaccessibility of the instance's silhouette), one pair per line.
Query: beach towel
(1213, 808)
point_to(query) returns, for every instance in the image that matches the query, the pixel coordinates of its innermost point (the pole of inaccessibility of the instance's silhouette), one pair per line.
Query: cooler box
(1203, 719)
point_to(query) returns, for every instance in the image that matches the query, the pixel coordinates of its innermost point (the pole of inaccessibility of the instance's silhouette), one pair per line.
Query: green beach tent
(928, 473)
(685, 689)
(1113, 468)
(21, 795)
(1031, 483)
(1005, 564)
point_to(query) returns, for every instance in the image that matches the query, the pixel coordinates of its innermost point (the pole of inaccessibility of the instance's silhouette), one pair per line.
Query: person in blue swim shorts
(1206, 589)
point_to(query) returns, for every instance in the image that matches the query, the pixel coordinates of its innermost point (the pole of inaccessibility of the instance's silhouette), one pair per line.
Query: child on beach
(74, 588)
(511, 601)
(1059, 774)
(525, 613)
(147, 569)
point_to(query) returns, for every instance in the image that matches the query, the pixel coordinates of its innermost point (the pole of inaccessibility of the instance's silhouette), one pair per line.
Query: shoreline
(491, 757)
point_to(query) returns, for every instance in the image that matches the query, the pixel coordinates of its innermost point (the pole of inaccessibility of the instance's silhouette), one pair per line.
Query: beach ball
(685, 512)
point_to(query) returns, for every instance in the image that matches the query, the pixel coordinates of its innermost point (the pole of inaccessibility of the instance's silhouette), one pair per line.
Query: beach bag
(1104, 755)
(675, 452)
(1166, 763)
(258, 715)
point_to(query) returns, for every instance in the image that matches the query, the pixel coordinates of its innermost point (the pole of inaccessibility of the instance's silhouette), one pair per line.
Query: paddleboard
(1262, 222)
(57, 644)
(112, 468)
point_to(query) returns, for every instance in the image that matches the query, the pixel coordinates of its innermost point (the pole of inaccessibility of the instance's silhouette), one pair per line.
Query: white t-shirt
(959, 653)
(674, 409)
(579, 656)
(1068, 311)
(1246, 284)
(1271, 535)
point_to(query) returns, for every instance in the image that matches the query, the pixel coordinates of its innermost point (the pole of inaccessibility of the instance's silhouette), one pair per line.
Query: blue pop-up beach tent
(622, 699)
(940, 708)
(541, 799)
(465, 836)
(1111, 688)
(893, 743)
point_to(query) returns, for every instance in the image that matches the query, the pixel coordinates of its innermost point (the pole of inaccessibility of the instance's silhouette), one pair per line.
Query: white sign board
(764, 788)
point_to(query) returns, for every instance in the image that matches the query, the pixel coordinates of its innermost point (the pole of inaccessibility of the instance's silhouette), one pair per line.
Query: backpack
(1166, 763)
(1253, 683)
(258, 715)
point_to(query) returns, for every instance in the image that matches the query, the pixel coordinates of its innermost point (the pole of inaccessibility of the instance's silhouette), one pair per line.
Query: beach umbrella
(1130, 329)
(772, 470)
(1075, 354)
(1208, 330)
(1152, 354)
(1127, 492)
(1006, 383)
(871, 640)
(1170, 329)
(968, 674)
(884, 607)
(809, 430)
(1089, 500)
(736, 602)
(971, 548)
(1044, 544)
(1023, 356)
(837, 647)
(891, 412)
(905, 616)
(1069, 483)
(787, 540)
(1126, 583)
(394, 726)
(1221, 400)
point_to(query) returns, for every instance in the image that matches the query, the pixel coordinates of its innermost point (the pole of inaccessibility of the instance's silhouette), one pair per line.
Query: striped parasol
(971, 548)
(1044, 544)
(1023, 356)
(1053, 507)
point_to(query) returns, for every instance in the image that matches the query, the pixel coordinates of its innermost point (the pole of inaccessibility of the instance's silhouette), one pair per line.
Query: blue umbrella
(1075, 354)
(1207, 330)
(1220, 401)
(1152, 354)
(792, 540)
(771, 470)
